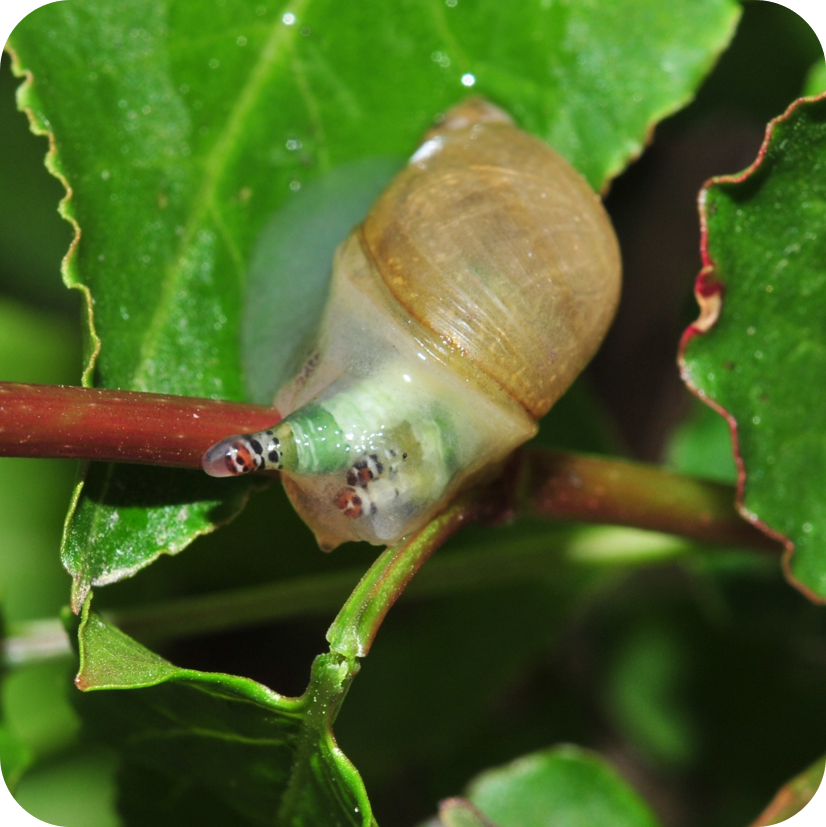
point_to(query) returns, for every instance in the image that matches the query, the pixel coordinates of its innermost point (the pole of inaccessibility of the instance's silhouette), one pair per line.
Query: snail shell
(479, 286)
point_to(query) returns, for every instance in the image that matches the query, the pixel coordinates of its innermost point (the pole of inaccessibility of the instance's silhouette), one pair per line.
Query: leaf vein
(280, 39)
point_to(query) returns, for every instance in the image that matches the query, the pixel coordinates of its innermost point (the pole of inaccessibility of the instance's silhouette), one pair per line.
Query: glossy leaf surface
(563, 785)
(214, 748)
(182, 132)
(762, 360)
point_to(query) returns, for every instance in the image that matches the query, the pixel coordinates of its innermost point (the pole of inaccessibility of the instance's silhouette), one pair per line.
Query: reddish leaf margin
(709, 293)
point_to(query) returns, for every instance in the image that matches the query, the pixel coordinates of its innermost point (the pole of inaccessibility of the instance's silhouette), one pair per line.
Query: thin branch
(356, 625)
(561, 486)
(118, 426)
(553, 557)
(83, 423)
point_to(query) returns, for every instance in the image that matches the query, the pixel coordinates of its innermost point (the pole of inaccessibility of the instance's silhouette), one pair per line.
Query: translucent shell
(476, 290)
(498, 246)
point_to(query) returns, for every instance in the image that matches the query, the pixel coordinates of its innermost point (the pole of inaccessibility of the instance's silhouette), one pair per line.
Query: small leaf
(762, 353)
(15, 756)
(181, 134)
(211, 748)
(124, 517)
(564, 785)
(816, 79)
(793, 796)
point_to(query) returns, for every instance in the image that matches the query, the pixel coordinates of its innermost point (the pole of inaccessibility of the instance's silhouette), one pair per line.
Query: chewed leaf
(758, 351)
(210, 748)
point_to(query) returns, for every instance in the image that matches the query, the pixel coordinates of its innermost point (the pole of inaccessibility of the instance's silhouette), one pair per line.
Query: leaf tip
(81, 588)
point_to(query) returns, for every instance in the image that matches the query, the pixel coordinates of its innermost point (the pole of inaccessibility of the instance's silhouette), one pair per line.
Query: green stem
(356, 625)
(540, 556)
(536, 483)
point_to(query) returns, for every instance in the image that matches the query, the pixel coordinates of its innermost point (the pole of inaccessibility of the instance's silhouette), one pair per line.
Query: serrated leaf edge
(709, 293)
(39, 125)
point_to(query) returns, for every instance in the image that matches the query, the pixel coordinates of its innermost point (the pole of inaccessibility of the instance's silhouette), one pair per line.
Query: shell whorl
(478, 287)
(496, 244)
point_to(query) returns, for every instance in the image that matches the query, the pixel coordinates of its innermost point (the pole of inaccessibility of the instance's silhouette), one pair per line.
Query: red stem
(125, 426)
(118, 426)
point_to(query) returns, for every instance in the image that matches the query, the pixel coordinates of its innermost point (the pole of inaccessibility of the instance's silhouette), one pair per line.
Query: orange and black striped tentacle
(244, 453)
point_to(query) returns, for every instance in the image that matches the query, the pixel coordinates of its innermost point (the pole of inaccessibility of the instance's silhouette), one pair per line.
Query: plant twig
(355, 627)
(547, 556)
(561, 486)
(125, 426)
(573, 557)
(118, 426)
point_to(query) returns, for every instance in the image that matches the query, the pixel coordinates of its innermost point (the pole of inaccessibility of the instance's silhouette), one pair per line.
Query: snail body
(476, 290)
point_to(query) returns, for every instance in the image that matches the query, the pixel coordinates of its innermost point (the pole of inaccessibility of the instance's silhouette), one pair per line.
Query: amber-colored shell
(498, 246)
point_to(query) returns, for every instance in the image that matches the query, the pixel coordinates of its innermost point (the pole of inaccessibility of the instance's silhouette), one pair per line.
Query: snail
(476, 290)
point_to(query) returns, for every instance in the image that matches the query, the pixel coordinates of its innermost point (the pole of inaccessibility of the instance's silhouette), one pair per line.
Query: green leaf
(77, 790)
(209, 748)
(124, 517)
(644, 694)
(793, 796)
(33, 237)
(763, 360)
(15, 756)
(34, 347)
(816, 79)
(701, 446)
(182, 133)
(564, 785)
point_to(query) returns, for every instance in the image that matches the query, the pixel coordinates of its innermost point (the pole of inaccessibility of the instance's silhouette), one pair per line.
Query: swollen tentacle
(243, 453)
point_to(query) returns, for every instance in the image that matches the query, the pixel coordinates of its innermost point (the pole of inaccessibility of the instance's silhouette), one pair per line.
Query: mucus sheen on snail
(476, 290)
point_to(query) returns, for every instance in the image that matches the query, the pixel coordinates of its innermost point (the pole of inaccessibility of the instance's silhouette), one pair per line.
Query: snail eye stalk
(244, 453)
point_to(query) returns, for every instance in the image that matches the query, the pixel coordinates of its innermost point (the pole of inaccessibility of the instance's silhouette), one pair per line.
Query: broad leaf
(123, 517)
(763, 357)
(15, 756)
(564, 785)
(182, 133)
(206, 748)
